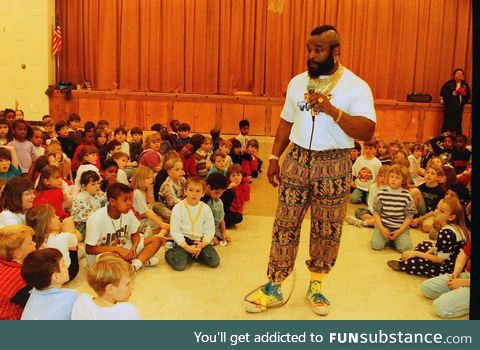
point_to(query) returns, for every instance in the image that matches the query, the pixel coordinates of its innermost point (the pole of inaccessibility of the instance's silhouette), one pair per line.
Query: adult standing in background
(454, 93)
(325, 109)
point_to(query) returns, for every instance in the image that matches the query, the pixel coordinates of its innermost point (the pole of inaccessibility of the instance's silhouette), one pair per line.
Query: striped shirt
(10, 283)
(394, 206)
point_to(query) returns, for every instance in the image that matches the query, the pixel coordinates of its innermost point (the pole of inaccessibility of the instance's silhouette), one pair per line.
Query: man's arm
(357, 127)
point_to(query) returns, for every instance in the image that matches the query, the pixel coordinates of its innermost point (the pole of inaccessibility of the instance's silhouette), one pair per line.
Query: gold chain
(325, 86)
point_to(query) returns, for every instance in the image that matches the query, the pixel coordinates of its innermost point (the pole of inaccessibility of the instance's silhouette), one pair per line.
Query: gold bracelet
(339, 116)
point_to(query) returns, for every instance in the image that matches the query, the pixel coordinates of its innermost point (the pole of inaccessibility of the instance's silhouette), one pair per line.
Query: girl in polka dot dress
(432, 260)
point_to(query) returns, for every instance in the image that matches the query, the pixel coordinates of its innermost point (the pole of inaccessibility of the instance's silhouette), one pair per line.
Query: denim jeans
(358, 196)
(402, 243)
(179, 258)
(447, 303)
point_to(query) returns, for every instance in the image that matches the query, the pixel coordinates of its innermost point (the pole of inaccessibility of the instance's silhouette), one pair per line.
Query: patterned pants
(320, 180)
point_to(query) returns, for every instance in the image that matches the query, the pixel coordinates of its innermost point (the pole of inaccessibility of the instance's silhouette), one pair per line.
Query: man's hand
(273, 172)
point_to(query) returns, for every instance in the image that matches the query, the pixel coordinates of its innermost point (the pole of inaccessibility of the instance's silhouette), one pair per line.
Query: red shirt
(468, 251)
(190, 165)
(10, 283)
(242, 195)
(54, 197)
(76, 163)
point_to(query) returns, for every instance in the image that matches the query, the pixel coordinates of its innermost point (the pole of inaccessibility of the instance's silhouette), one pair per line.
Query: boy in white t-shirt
(112, 280)
(114, 229)
(46, 271)
(364, 171)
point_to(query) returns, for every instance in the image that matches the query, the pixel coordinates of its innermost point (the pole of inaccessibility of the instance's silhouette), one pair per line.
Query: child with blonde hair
(393, 210)
(15, 244)
(364, 216)
(430, 259)
(172, 190)
(50, 232)
(112, 280)
(192, 228)
(142, 185)
(226, 146)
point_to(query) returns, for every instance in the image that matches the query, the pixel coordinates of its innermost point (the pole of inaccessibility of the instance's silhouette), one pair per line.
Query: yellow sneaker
(316, 300)
(269, 295)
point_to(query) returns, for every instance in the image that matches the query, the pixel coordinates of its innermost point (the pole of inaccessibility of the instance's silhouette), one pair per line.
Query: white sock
(137, 264)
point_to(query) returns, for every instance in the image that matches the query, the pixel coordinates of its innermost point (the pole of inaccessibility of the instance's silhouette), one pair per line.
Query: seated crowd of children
(68, 192)
(427, 187)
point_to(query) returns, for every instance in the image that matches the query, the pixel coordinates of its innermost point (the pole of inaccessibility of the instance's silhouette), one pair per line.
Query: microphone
(311, 89)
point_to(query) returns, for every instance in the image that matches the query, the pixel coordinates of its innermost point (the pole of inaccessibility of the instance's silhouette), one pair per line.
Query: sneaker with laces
(352, 220)
(269, 295)
(153, 261)
(316, 300)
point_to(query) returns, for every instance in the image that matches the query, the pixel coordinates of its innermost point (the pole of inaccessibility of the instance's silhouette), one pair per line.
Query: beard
(322, 68)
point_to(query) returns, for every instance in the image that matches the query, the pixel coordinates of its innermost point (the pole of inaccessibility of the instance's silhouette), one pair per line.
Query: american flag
(57, 38)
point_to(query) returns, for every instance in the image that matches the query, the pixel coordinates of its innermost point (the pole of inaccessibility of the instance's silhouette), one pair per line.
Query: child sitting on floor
(45, 270)
(15, 244)
(216, 185)
(112, 280)
(192, 228)
(393, 210)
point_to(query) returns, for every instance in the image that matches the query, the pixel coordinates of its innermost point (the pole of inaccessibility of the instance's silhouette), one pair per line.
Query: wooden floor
(360, 287)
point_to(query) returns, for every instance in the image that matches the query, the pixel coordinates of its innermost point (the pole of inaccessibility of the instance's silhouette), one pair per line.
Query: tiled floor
(360, 287)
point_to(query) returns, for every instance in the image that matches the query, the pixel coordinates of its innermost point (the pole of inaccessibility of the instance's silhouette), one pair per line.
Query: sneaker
(137, 264)
(352, 220)
(270, 295)
(317, 301)
(168, 245)
(223, 243)
(394, 265)
(153, 261)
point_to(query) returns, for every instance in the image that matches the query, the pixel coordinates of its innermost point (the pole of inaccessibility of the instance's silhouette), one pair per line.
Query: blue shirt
(12, 172)
(50, 304)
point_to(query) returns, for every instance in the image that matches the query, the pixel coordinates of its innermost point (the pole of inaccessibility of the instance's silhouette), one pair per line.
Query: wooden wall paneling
(60, 108)
(255, 113)
(432, 123)
(467, 123)
(232, 113)
(131, 110)
(156, 112)
(397, 124)
(185, 113)
(205, 114)
(89, 108)
(275, 118)
(111, 110)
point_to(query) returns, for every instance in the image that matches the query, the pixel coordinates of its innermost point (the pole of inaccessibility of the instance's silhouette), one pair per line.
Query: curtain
(229, 46)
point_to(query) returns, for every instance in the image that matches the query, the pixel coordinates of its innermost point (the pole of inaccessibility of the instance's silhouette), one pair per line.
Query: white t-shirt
(105, 231)
(365, 172)
(122, 177)
(61, 241)
(414, 167)
(351, 94)
(8, 218)
(86, 309)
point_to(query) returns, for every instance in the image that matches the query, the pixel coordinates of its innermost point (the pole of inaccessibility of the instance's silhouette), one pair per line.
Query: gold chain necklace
(325, 86)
